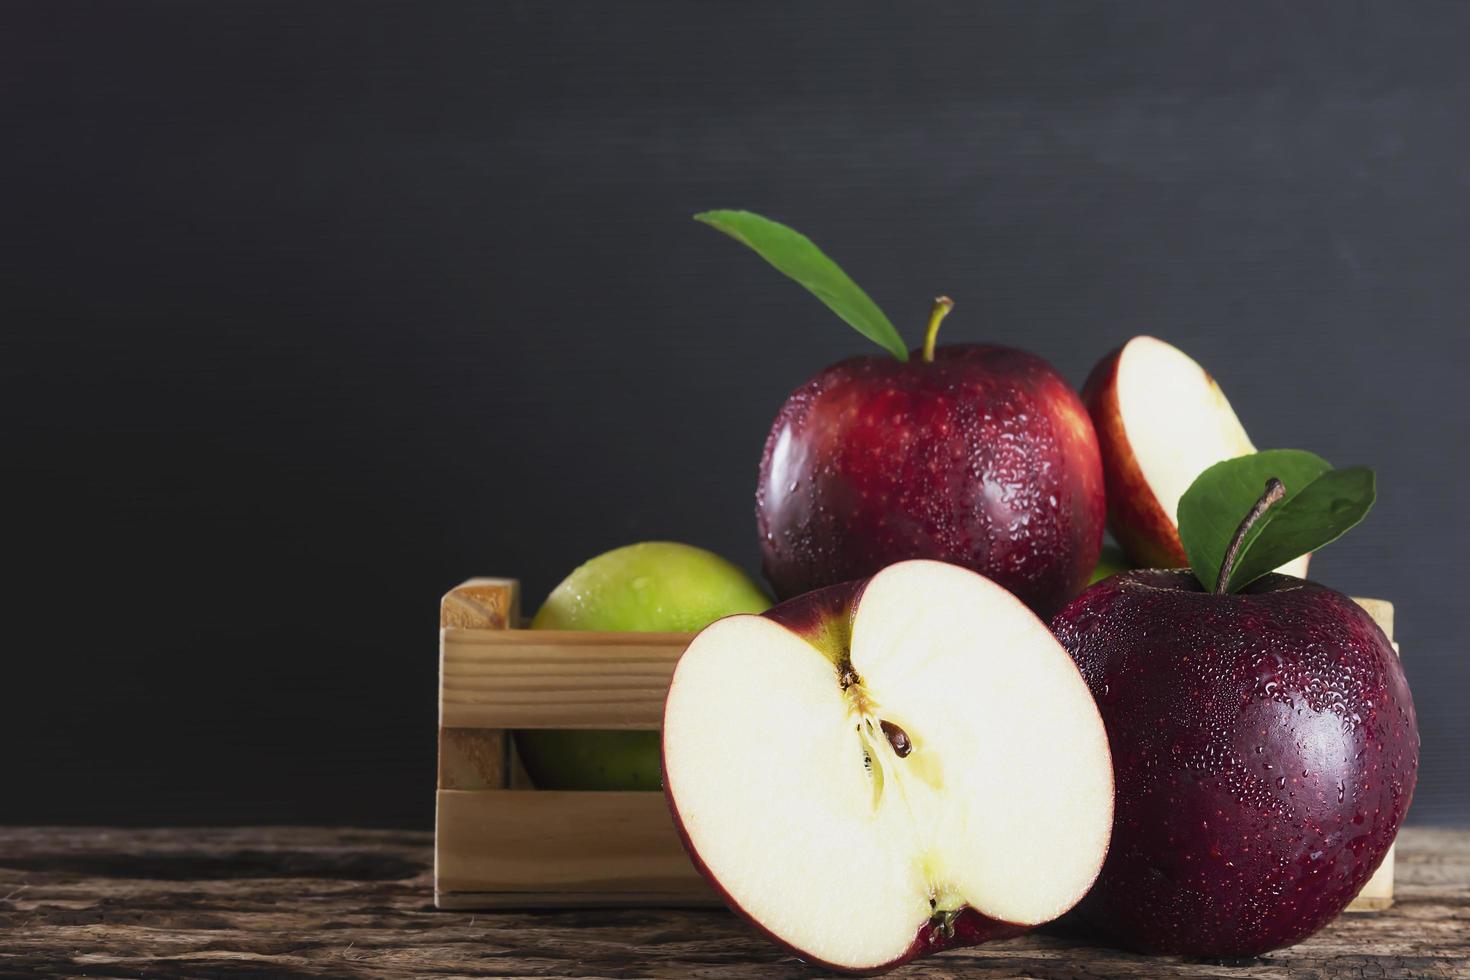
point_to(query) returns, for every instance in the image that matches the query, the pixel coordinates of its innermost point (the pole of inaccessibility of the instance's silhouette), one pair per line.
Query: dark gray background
(311, 310)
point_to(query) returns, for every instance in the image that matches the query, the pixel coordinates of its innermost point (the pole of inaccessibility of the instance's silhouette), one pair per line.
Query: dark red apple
(980, 456)
(1265, 751)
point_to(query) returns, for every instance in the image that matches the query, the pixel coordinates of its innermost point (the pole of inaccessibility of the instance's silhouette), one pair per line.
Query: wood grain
(482, 603)
(320, 902)
(555, 679)
(476, 757)
(526, 849)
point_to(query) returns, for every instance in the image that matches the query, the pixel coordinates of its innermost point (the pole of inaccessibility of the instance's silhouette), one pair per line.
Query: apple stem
(1275, 490)
(937, 313)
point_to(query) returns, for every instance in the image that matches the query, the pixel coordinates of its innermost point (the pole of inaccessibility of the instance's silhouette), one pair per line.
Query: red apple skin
(1265, 751)
(824, 618)
(969, 928)
(984, 458)
(1143, 529)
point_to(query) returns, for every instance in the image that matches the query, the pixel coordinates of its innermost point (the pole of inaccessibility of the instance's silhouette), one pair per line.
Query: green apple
(653, 587)
(656, 587)
(1110, 563)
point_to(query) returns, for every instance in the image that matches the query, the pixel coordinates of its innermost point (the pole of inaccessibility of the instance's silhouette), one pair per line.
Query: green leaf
(1320, 514)
(1319, 506)
(1220, 497)
(798, 257)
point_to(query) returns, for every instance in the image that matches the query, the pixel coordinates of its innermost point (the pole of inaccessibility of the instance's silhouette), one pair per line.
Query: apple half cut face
(889, 767)
(1161, 421)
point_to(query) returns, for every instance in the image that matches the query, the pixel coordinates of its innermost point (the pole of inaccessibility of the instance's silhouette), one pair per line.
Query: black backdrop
(311, 310)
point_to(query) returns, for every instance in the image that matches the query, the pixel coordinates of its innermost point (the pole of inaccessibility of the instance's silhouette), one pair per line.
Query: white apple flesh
(1161, 421)
(890, 767)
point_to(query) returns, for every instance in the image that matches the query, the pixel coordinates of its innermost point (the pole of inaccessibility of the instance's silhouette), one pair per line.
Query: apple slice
(886, 768)
(1161, 421)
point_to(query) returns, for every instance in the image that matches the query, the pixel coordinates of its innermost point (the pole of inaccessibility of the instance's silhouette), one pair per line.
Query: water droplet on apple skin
(872, 462)
(1197, 676)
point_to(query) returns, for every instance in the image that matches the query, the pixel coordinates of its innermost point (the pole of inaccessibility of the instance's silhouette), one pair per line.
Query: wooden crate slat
(553, 679)
(529, 845)
(594, 644)
(559, 714)
(571, 900)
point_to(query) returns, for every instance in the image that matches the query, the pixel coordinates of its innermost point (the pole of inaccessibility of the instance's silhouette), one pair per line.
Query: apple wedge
(1161, 421)
(888, 768)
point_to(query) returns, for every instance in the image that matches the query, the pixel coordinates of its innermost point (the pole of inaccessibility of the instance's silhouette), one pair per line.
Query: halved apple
(1161, 421)
(887, 768)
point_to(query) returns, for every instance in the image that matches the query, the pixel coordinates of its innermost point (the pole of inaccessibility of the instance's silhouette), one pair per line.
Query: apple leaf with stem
(1310, 505)
(798, 257)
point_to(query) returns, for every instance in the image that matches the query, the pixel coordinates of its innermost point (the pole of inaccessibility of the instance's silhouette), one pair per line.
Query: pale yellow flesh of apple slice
(1178, 423)
(812, 823)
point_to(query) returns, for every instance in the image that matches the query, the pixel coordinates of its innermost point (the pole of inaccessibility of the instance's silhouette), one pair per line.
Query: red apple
(977, 455)
(1161, 421)
(888, 768)
(1265, 748)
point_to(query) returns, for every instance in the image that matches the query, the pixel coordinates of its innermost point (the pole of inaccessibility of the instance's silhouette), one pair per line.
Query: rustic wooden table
(316, 902)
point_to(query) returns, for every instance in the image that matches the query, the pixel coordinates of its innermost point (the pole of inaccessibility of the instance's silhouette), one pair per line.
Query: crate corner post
(470, 759)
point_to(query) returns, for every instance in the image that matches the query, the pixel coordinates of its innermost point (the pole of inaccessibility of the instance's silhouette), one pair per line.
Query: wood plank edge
(467, 901)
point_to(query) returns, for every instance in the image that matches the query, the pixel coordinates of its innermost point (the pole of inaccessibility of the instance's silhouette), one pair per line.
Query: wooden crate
(499, 843)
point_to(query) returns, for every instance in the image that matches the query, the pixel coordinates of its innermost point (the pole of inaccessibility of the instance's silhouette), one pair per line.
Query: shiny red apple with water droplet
(1265, 751)
(983, 456)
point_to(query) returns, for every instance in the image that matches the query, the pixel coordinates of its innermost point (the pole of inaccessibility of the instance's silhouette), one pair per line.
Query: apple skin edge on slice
(888, 768)
(1161, 421)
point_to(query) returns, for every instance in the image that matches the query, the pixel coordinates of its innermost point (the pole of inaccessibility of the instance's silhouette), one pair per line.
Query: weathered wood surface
(293, 902)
